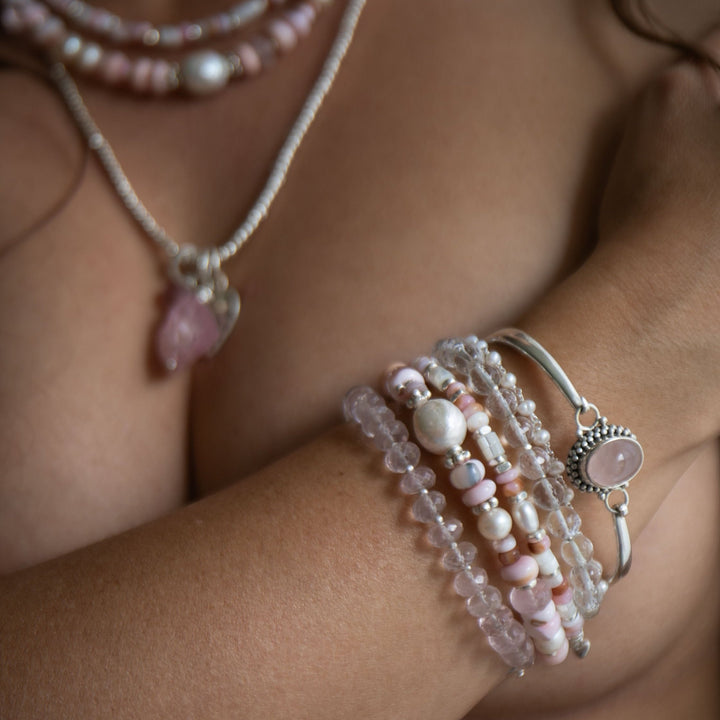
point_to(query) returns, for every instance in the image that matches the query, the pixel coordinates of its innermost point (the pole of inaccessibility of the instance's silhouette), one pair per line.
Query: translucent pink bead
(50, 32)
(511, 637)
(497, 621)
(426, 508)
(390, 433)
(402, 456)
(359, 397)
(551, 493)
(519, 657)
(484, 602)
(456, 559)
(442, 535)
(563, 523)
(468, 582)
(530, 600)
(11, 20)
(530, 465)
(514, 433)
(479, 494)
(564, 599)
(414, 481)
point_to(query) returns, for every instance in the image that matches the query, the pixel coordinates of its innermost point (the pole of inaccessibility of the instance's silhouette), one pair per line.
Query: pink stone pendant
(605, 457)
(193, 329)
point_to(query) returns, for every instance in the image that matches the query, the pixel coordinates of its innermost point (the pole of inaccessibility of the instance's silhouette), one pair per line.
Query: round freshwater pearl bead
(495, 524)
(479, 494)
(439, 426)
(526, 407)
(467, 475)
(522, 572)
(204, 72)
(526, 517)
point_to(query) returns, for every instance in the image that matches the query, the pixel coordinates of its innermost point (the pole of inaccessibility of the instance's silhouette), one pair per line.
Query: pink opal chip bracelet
(510, 640)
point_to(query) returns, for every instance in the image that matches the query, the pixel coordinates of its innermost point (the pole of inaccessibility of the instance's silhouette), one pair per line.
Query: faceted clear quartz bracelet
(472, 360)
(366, 408)
(441, 425)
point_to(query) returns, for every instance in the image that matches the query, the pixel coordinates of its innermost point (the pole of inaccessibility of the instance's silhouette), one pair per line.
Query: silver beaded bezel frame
(601, 433)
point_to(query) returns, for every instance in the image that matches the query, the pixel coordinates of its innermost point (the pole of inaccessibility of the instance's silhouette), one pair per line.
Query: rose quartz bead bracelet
(364, 407)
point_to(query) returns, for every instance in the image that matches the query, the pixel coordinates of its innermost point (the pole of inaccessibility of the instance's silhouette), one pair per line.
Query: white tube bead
(547, 562)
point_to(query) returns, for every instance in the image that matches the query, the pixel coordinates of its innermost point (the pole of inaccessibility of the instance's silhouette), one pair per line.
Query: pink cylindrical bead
(464, 401)
(505, 544)
(508, 476)
(479, 494)
(537, 547)
(520, 573)
(400, 380)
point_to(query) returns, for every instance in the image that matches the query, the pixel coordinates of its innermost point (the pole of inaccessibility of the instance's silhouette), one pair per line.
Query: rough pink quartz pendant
(188, 332)
(604, 458)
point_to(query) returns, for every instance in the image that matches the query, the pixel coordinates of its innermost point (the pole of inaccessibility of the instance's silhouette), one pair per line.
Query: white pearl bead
(526, 516)
(494, 358)
(541, 437)
(495, 524)
(526, 407)
(439, 426)
(509, 380)
(204, 72)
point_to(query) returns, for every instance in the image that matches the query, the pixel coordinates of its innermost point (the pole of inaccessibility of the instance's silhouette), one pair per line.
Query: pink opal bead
(575, 626)
(504, 545)
(545, 614)
(465, 400)
(115, 67)
(565, 598)
(308, 10)
(558, 656)
(141, 75)
(401, 380)
(422, 364)
(252, 65)
(299, 21)
(453, 388)
(537, 547)
(508, 476)
(479, 494)
(283, 34)
(546, 630)
(522, 572)
(160, 77)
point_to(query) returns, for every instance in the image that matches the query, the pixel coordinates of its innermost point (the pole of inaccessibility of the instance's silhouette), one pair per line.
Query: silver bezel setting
(588, 441)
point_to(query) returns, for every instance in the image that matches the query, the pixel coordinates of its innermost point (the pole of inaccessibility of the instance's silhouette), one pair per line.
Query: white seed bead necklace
(204, 309)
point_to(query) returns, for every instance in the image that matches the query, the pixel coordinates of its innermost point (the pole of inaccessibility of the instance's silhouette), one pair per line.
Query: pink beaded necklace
(203, 307)
(55, 26)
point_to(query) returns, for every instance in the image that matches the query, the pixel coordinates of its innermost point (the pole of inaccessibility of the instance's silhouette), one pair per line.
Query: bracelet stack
(464, 392)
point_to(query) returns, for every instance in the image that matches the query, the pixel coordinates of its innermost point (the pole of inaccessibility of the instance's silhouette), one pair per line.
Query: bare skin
(452, 179)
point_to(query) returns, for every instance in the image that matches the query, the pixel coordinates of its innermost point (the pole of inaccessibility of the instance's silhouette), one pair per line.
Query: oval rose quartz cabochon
(613, 463)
